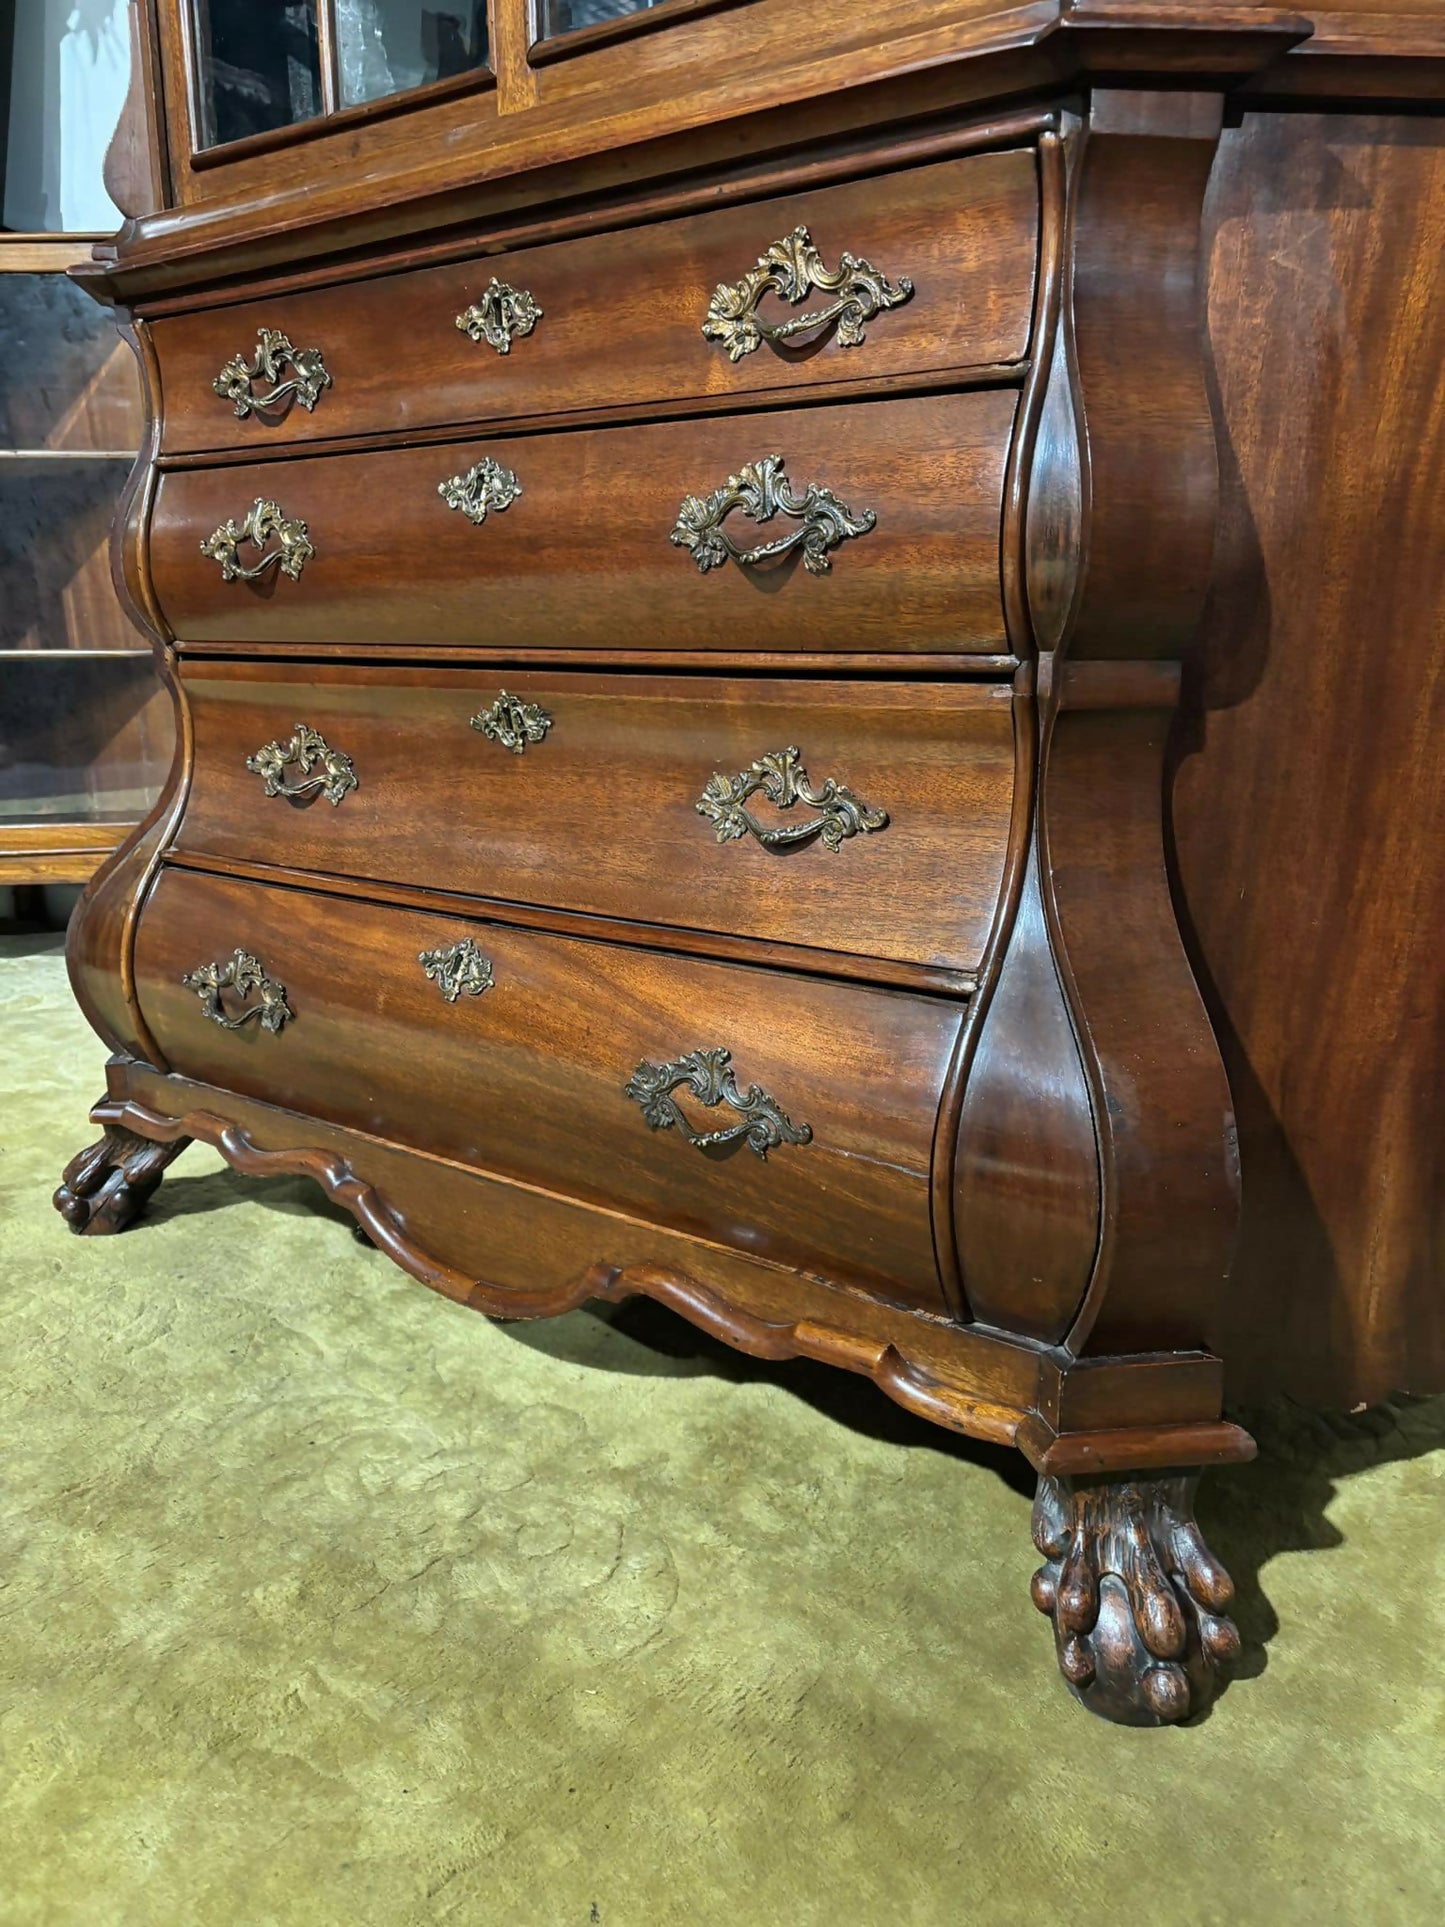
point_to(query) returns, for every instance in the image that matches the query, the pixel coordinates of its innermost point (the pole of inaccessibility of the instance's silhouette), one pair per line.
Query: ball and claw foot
(108, 1185)
(1139, 1602)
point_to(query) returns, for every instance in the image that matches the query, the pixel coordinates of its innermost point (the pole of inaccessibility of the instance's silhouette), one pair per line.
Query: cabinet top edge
(454, 167)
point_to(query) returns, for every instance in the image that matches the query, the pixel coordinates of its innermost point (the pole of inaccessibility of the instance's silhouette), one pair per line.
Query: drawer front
(643, 798)
(621, 315)
(525, 1070)
(567, 541)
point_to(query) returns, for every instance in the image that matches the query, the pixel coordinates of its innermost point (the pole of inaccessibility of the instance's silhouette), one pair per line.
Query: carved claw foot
(1138, 1600)
(108, 1185)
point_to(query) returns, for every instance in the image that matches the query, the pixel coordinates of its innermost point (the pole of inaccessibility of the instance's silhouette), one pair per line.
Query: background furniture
(85, 728)
(692, 567)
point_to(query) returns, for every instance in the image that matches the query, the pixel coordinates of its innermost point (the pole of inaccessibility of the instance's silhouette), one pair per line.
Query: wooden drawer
(622, 313)
(583, 557)
(528, 1078)
(600, 814)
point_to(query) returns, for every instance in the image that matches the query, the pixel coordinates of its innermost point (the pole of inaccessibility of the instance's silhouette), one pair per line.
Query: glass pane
(55, 519)
(258, 66)
(386, 46)
(64, 71)
(566, 16)
(67, 380)
(82, 742)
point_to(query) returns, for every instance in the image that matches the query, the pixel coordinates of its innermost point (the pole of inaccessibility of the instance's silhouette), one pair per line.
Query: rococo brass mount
(792, 268)
(243, 974)
(460, 967)
(486, 485)
(781, 778)
(273, 353)
(513, 723)
(262, 520)
(502, 312)
(709, 1076)
(307, 748)
(760, 489)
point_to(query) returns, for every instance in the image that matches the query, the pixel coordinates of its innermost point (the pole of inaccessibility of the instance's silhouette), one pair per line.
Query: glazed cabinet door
(259, 67)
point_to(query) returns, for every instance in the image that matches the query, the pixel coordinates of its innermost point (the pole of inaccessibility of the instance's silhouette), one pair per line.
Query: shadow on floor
(1249, 1514)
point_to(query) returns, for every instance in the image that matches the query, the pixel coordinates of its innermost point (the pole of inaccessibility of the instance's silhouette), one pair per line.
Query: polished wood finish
(583, 560)
(41, 853)
(600, 816)
(1016, 1201)
(423, 1213)
(526, 1079)
(622, 314)
(1307, 798)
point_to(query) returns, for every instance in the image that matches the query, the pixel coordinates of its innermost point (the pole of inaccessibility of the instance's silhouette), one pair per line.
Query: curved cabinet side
(101, 940)
(1095, 1181)
(1026, 1178)
(1162, 1111)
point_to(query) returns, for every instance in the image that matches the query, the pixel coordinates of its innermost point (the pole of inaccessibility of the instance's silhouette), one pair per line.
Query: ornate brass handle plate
(262, 520)
(781, 778)
(307, 750)
(761, 489)
(502, 313)
(242, 974)
(486, 485)
(513, 723)
(792, 268)
(460, 967)
(709, 1076)
(274, 353)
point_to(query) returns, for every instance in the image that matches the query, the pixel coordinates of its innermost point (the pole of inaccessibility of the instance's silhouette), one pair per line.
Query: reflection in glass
(258, 66)
(566, 16)
(386, 46)
(67, 380)
(82, 742)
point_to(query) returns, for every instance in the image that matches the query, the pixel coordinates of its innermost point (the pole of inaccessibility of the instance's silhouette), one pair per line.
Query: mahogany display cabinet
(801, 642)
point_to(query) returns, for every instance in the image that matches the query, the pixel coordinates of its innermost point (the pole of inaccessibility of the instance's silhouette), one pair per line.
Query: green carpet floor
(325, 1601)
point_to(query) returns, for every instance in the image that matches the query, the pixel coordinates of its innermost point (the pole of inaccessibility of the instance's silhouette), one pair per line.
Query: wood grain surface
(622, 313)
(1308, 798)
(601, 816)
(527, 1078)
(583, 559)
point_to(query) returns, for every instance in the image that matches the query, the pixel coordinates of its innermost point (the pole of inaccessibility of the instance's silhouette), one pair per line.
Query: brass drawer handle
(513, 723)
(760, 489)
(307, 748)
(273, 354)
(262, 520)
(485, 486)
(781, 778)
(502, 312)
(709, 1076)
(460, 967)
(792, 268)
(243, 974)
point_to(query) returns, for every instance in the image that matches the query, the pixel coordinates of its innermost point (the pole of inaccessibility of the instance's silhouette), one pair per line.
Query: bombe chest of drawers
(673, 560)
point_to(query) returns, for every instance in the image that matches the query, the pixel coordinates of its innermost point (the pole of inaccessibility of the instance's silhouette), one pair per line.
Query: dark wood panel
(1308, 798)
(599, 816)
(527, 1078)
(583, 557)
(621, 314)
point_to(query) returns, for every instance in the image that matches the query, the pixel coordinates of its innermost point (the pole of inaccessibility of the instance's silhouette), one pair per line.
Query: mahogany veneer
(789, 938)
